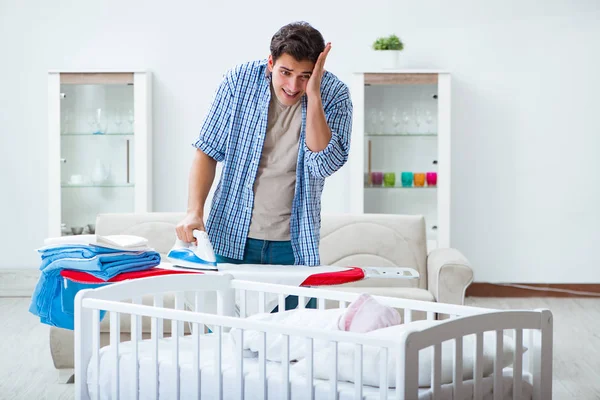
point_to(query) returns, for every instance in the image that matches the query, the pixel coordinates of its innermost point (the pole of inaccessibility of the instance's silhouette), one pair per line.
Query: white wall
(525, 203)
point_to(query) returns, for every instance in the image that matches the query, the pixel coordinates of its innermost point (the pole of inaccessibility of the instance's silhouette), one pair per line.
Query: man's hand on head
(313, 87)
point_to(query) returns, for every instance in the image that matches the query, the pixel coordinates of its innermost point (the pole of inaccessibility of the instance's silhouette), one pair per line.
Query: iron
(196, 256)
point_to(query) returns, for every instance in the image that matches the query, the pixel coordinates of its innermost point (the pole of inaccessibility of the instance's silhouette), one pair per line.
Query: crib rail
(534, 326)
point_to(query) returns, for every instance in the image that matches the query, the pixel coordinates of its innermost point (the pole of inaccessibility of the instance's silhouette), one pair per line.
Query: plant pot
(388, 59)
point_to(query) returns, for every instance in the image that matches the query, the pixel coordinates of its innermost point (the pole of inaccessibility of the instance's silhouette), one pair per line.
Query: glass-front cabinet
(99, 147)
(400, 152)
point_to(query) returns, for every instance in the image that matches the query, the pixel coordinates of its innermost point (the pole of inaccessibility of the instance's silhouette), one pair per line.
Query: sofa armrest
(449, 274)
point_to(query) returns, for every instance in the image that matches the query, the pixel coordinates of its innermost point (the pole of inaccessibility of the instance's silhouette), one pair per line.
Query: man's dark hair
(298, 39)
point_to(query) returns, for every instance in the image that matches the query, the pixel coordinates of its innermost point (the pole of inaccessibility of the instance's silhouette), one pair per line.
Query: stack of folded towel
(101, 256)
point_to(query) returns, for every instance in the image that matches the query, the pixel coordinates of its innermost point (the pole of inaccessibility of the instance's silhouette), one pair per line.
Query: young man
(280, 126)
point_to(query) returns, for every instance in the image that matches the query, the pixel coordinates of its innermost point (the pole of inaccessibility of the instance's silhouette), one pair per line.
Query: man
(280, 126)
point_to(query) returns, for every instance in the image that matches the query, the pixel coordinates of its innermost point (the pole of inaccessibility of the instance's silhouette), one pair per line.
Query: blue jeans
(269, 252)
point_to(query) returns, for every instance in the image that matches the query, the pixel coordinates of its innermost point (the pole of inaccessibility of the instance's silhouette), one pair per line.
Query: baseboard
(18, 282)
(483, 289)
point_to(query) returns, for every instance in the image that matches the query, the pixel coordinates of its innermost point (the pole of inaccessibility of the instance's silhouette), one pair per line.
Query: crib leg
(66, 375)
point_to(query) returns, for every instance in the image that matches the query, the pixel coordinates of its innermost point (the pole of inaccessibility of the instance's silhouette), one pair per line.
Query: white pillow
(306, 318)
(371, 357)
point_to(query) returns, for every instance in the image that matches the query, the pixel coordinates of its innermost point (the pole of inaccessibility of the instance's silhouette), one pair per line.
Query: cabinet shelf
(401, 134)
(97, 185)
(400, 187)
(96, 135)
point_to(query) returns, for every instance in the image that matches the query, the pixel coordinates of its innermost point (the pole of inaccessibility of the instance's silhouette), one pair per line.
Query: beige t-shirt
(275, 183)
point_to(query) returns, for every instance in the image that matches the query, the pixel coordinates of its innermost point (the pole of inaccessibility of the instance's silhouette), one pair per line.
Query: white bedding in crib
(252, 383)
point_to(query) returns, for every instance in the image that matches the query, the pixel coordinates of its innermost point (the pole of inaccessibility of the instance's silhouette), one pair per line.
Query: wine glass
(429, 121)
(418, 118)
(131, 119)
(372, 121)
(381, 122)
(406, 120)
(396, 121)
(118, 120)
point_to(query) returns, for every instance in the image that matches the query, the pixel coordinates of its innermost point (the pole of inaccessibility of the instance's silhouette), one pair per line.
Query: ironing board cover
(329, 277)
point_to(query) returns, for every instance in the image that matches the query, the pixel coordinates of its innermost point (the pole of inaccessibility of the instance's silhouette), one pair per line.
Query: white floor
(27, 372)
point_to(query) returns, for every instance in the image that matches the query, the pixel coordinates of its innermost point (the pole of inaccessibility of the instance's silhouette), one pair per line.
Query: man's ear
(270, 63)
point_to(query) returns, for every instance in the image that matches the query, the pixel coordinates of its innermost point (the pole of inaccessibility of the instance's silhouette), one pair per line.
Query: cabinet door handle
(63, 160)
(434, 228)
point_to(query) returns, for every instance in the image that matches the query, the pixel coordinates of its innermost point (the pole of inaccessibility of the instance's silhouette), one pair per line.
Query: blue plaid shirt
(234, 132)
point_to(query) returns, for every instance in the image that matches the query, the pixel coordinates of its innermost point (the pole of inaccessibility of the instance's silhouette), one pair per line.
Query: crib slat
(175, 361)
(343, 304)
(478, 368)
(196, 361)
(242, 303)
(301, 302)
(261, 302)
(518, 364)
(399, 376)
(199, 307)
(285, 363)
(458, 368)
(218, 362)
(179, 305)
(262, 364)
(96, 352)
(407, 315)
(358, 371)
(135, 337)
(158, 302)
(321, 304)
(281, 302)
(436, 371)
(498, 393)
(383, 374)
(430, 315)
(240, 363)
(156, 323)
(310, 368)
(333, 372)
(114, 342)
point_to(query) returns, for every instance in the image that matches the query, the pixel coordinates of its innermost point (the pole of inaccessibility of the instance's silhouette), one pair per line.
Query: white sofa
(346, 240)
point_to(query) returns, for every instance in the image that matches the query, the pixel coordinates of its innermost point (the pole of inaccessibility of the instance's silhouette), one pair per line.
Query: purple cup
(376, 178)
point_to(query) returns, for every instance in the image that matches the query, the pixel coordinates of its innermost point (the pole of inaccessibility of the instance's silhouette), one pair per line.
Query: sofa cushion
(376, 240)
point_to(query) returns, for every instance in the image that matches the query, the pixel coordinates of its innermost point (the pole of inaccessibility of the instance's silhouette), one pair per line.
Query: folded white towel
(117, 242)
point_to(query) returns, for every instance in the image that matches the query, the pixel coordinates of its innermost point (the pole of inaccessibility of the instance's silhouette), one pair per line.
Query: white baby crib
(211, 364)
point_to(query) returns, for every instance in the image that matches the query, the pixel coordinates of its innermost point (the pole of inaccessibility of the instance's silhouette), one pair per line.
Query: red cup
(431, 178)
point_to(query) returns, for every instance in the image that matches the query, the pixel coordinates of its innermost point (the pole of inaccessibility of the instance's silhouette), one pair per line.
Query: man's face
(289, 77)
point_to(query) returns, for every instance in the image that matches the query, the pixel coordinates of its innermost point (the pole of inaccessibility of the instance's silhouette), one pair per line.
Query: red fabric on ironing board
(335, 278)
(84, 277)
(352, 274)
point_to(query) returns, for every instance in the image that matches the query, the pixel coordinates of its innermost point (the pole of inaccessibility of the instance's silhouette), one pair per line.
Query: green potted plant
(389, 48)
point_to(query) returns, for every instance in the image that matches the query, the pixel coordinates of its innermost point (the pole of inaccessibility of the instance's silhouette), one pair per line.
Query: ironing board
(282, 274)
(294, 275)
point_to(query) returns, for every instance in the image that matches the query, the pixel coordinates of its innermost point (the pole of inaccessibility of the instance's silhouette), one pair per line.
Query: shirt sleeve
(327, 161)
(214, 132)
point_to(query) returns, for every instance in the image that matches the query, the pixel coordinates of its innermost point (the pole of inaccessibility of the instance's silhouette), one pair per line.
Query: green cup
(389, 179)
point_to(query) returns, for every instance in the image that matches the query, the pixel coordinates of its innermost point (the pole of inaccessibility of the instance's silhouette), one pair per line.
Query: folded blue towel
(100, 262)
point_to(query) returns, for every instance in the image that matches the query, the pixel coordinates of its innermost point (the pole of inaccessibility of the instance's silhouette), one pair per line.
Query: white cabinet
(99, 147)
(400, 151)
